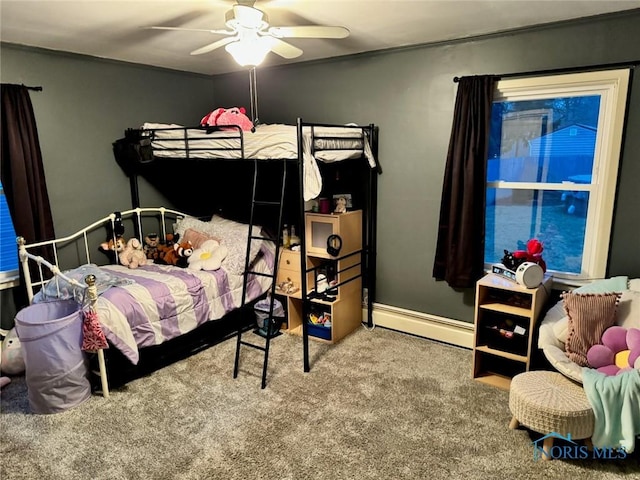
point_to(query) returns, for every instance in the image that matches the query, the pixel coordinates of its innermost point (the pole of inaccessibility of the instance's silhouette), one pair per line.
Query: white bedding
(274, 141)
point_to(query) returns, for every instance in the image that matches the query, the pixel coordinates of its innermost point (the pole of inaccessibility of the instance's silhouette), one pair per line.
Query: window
(8, 247)
(552, 168)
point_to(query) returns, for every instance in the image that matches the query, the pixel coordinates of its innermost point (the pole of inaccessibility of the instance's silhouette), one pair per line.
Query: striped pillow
(590, 314)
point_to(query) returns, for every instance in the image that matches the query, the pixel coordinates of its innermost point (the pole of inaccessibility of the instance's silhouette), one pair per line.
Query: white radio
(528, 274)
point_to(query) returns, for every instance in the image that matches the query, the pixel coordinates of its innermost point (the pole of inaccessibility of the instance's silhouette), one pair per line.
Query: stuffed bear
(132, 256)
(151, 243)
(228, 116)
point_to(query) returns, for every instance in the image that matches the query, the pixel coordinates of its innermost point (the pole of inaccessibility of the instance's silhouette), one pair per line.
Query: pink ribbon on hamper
(93, 338)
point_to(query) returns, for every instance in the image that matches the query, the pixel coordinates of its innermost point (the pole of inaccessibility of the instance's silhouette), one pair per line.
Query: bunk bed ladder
(270, 320)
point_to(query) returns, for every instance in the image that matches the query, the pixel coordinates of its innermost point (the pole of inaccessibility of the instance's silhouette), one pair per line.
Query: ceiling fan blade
(219, 32)
(284, 49)
(212, 46)
(309, 31)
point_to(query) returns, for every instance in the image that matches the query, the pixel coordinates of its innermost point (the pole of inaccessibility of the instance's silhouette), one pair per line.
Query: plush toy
(11, 359)
(208, 257)
(151, 243)
(132, 256)
(533, 253)
(341, 205)
(509, 261)
(176, 254)
(618, 352)
(228, 116)
(169, 240)
(159, 247)
(112, 248)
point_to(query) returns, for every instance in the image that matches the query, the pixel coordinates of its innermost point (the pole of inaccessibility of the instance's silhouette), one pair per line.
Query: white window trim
(612, 86)
(9, 283)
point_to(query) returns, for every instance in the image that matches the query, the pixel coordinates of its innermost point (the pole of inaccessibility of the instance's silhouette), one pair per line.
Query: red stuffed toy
(228, 116)
(176, 254)
(533, 253)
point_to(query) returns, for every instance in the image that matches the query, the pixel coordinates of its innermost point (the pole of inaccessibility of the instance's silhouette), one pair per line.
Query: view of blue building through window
(8, 247)
(539, 172)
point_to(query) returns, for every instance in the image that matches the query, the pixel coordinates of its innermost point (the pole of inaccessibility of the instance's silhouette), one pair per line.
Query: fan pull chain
(253, 91)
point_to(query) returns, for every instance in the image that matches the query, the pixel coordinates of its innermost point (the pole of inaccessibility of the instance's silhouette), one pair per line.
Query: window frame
(613, 87)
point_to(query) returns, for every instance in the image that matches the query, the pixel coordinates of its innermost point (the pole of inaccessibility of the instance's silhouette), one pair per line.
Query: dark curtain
(21, 168)
(460, 249)
(22, 174)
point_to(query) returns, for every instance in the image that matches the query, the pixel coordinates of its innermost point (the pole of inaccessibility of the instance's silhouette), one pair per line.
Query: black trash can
(56, 368)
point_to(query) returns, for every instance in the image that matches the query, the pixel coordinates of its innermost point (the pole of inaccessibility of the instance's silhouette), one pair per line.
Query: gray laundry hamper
(57, 370)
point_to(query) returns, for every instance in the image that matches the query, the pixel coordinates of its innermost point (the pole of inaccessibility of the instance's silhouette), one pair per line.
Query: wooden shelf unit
(346, 309)
(506, 315)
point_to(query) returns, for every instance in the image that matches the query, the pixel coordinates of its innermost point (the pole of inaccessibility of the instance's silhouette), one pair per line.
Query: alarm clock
(529, 274)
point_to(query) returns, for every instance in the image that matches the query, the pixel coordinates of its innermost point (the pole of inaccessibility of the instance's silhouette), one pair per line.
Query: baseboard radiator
(425, 325)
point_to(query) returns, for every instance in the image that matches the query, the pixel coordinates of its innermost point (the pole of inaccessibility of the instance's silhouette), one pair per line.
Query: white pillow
(628, 313)
(233, 235)
(554, 329)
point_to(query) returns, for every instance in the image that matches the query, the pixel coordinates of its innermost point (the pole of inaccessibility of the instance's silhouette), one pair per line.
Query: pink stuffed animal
(228, 116)
(133, 255)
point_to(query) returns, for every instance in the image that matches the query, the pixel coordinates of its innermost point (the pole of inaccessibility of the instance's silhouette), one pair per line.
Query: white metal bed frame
(91, 289)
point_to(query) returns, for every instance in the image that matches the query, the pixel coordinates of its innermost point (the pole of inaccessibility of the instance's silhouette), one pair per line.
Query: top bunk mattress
(273, 141)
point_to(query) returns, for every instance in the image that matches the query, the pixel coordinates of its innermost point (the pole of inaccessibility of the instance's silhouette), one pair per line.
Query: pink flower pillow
(619, 351)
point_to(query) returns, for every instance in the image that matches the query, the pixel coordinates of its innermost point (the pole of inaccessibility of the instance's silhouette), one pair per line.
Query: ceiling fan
(249, 37)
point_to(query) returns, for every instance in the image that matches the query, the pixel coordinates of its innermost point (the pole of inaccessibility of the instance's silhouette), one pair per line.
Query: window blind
(8, 247)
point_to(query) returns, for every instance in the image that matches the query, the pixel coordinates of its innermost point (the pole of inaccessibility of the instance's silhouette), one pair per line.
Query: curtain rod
(37, 89)
(555, 71)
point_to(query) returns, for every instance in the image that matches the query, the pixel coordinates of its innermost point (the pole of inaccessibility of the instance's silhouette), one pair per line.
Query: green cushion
(606, 285)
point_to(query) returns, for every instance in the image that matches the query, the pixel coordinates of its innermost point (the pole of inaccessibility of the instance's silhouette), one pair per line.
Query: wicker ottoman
(549, 402)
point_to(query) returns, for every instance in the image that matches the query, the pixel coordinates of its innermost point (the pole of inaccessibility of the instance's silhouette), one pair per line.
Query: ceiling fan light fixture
(242, 16)
(249, 53)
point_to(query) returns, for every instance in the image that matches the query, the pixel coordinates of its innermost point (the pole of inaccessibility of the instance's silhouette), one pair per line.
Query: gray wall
(86, 104)
(410, 95)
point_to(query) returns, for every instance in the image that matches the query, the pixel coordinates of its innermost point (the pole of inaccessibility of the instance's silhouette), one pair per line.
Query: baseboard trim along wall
(425, 325)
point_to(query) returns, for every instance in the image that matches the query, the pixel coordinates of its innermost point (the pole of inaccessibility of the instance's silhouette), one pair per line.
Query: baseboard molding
(425, 325)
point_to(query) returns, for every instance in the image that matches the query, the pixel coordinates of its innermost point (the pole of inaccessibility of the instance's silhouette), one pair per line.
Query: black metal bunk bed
(145, 152)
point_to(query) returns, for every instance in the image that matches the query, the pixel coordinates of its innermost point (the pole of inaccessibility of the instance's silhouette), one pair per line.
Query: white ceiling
(115, 29)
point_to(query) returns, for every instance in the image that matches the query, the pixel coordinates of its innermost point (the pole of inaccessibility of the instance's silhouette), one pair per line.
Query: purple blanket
(164, 301)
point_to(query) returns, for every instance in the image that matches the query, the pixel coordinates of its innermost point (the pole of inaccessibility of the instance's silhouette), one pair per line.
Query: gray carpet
(379, 404)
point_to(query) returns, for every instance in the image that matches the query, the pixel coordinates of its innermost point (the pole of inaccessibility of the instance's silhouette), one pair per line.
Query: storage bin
(56, 368)
(319, 322)
(320, 331)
